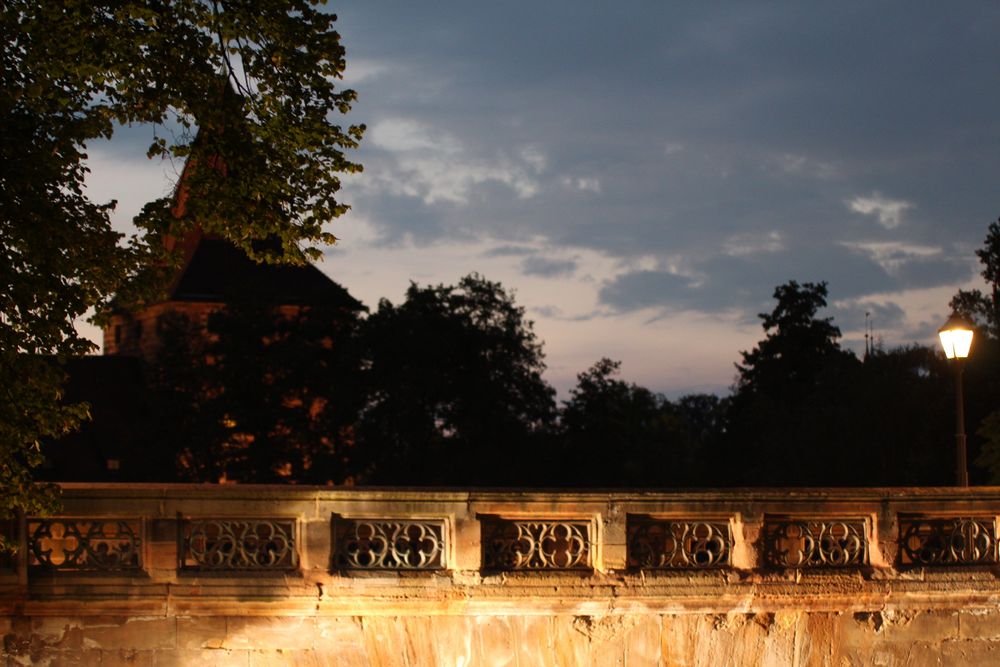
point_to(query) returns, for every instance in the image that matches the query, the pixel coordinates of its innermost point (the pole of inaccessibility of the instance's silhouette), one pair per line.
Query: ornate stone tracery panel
(85, 545)
(536, 544)
(227, 545)
(389, 544)
(947, 541)
(815, 543)
(667, 544)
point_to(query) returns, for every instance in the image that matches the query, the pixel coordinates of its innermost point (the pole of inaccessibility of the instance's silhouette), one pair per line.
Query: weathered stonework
(259, 604)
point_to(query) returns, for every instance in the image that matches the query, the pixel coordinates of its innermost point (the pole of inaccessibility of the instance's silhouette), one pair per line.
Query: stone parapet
(275, 549)
(178, 570)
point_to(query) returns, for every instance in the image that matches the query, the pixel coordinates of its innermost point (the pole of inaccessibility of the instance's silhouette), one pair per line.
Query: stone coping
(151, 490)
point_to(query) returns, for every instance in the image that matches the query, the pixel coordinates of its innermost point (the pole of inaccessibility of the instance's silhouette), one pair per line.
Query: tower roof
(215, 270)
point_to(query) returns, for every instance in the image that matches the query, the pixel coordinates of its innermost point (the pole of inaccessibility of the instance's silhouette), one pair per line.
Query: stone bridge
(262, 575)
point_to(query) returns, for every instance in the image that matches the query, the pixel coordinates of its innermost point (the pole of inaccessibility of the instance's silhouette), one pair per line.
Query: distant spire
(869, 343)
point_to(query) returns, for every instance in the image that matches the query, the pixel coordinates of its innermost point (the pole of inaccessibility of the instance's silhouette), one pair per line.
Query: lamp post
(956, 339)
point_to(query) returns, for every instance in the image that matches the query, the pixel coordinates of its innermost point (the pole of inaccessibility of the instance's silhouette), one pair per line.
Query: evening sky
(644, 174)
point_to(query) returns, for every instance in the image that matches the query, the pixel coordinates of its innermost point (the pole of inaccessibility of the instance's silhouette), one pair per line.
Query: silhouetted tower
(869, 342)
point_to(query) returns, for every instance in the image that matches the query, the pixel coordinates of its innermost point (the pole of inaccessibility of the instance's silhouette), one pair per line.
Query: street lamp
(956, 339)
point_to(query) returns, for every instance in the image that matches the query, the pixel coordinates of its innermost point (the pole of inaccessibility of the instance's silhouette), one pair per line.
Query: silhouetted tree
(271, 396)
(984, 308)
(797, 346)
(69, 75)
(982, 372)
(179, 393)
(989, 458)
(706, 420)
(789, 394)
(455, 389)
(897, 428)
(806, 412)
(616, 433)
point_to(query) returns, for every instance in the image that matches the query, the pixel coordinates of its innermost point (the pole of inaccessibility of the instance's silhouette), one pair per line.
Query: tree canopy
(797, 344)
(793, 370)
(984, 308)
(616, 433)
(982, 373)
(261, 396)
(446, 388)
(806, 412)
(455, 386)
(256, 84)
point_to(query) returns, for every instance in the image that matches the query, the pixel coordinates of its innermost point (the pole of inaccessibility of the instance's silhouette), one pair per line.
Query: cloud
(892, 254)
(406, 135)
(741, 278)
(635, 290)
(547, 267)
(934, 272)
(131, 181)
(536, 260)
(583, 184)
(509, 251)
(361, 70)
(888, 211)
(418, 161)
(850, 315)
(917, 266)
(743, 283)
(925, 330)
(704, 154)
(552, 312)
(803, 165)
(732, 123)
(534, 158)
(751, 244)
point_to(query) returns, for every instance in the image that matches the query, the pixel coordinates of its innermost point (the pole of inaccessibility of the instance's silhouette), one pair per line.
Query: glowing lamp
(956, 337)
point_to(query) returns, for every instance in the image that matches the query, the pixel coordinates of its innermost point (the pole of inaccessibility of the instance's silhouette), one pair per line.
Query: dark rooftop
(219, 271)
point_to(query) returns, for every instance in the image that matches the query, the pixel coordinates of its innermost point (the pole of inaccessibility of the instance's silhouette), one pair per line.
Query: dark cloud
(509, 251)
(552, 312)
(676, 133)
(882, 316)
(744, 283)
(690, 124)
(546, 267)
(642, 289)
(924, 332)
(424, 224)
(935, 271)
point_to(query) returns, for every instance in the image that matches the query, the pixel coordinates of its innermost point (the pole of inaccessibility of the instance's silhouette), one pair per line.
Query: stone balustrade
(177, 538)
(190, 551)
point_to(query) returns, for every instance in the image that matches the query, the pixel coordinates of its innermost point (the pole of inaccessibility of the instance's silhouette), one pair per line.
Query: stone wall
(190, 575)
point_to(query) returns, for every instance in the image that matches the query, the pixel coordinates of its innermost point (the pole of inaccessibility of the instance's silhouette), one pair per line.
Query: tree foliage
(806, 412)
(796, 347)
(984, 309)
(256, 81)
(789, 389)
(266, 396)
(982, 373)
(455, 387)
(616, 433)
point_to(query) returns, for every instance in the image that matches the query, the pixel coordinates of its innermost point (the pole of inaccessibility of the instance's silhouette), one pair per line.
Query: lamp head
(956, 336)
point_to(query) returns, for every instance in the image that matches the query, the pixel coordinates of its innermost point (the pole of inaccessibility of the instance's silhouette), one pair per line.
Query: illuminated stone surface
(882, 612)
